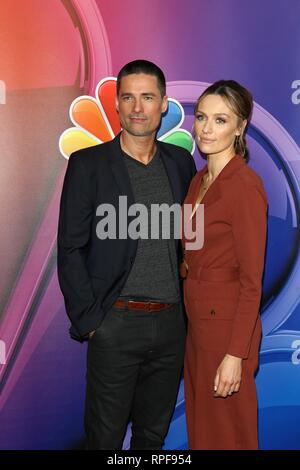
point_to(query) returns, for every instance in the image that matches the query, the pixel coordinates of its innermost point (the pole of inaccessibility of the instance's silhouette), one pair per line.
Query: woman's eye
(199, 117)
(220, 121)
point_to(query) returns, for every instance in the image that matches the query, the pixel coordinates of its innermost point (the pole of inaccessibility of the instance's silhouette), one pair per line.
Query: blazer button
(212, 312)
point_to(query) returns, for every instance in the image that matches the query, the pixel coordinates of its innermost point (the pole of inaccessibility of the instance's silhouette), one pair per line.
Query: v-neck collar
(214, 191)
(138, 162)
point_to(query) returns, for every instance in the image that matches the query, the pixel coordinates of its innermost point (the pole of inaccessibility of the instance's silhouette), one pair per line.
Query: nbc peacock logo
(96, 121)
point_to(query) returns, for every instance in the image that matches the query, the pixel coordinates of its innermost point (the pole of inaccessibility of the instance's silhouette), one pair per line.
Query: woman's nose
(207, 128)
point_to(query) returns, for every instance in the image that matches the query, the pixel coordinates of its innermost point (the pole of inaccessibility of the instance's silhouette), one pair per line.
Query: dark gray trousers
(134, 365)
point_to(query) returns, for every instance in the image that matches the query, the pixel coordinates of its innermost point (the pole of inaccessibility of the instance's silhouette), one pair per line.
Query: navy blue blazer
(92, 272)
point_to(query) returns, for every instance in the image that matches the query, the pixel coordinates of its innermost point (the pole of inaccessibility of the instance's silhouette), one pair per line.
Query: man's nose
(137, 106)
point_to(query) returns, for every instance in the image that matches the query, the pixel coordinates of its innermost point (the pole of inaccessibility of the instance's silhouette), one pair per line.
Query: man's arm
(74, 229)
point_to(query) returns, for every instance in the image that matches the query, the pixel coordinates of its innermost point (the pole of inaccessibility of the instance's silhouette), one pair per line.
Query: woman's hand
(228, 376)
(183, 269)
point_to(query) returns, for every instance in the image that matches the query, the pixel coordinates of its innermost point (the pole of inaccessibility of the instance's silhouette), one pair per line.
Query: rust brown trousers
(222, 297)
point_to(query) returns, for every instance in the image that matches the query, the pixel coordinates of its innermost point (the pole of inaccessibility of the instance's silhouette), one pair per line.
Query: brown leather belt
(139, 305)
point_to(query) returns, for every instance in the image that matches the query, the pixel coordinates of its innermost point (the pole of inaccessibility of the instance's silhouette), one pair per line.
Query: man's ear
(117, 103)
(164, 104)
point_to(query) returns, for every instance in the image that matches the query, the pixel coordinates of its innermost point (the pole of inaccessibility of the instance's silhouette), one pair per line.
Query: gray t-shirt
(154, 274)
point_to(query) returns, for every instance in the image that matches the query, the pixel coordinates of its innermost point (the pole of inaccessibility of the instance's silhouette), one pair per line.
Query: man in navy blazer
(122, 293)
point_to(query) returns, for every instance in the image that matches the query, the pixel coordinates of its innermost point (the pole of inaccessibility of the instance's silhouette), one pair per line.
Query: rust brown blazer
(222, 297)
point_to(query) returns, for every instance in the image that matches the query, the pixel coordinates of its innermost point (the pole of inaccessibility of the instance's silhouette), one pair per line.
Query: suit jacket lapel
(120, 172)
(214, 193)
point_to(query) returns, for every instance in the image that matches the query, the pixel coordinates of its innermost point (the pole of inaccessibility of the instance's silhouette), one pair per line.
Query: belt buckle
(131, 304)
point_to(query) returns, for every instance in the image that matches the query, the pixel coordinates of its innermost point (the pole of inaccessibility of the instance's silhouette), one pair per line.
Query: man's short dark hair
(143, 66)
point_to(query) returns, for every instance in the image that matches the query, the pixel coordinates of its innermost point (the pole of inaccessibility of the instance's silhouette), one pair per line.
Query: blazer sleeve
(74, 228)
(249, 226)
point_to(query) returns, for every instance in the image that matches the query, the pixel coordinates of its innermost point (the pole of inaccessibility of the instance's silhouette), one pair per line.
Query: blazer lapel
(120, 172)
(214, 193)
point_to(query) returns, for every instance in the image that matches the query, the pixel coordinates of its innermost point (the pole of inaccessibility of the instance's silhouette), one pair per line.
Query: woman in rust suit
(222, 288)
